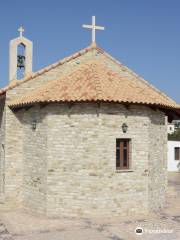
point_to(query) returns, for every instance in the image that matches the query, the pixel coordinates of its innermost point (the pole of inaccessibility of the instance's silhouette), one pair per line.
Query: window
(177, 153)
(122, 154)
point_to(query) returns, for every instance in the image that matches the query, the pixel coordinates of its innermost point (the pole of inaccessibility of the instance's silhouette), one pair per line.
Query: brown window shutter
(122, 153)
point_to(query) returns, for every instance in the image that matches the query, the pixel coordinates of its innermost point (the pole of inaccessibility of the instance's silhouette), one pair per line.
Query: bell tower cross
(20, 61)
(21, 30)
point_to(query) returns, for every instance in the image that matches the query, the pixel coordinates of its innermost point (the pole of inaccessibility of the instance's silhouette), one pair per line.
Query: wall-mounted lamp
(124, 127)
(34, 123)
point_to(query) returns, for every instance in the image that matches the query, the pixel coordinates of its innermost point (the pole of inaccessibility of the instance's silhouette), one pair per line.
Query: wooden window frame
(120, 149)
(177, 154)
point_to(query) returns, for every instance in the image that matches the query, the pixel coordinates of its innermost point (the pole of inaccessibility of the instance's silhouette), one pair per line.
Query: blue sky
(142, 34)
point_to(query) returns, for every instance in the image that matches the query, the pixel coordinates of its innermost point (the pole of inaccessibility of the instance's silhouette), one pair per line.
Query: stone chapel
(83, 136)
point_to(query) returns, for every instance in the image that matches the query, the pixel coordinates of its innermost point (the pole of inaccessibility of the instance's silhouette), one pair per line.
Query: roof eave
(162, 107)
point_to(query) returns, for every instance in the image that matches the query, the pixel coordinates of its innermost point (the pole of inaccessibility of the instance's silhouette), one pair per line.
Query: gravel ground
(162, 225)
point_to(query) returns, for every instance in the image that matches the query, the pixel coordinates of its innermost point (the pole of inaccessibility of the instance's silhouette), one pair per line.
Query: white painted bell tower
(20, 61)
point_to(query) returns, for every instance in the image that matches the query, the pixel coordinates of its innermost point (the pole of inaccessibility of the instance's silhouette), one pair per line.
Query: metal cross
(21, 30)
(94, 28)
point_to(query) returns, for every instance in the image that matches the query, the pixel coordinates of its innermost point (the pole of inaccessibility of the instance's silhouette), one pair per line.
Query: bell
(21, 61)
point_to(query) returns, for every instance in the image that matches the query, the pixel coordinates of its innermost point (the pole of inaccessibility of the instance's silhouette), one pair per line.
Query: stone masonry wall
(34, 161)
(69, 160)
(13, 156)
(2, 139)
(82, 176)
(157, 160)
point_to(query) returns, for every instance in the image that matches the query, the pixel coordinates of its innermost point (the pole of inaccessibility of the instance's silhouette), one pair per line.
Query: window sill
(124, 170)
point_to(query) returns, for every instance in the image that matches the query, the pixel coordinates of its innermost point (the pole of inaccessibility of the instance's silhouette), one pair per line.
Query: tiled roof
(95, 81)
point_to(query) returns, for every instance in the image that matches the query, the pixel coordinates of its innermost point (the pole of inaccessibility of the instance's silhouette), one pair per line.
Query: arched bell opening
(21, 60)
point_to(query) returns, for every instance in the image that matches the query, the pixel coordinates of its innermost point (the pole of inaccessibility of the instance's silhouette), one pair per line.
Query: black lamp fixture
(124, 127)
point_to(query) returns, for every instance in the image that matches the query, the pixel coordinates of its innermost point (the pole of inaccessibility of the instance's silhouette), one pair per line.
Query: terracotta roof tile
(94, 81)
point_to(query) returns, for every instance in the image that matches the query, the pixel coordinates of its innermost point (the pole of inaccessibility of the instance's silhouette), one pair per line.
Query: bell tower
(20, 57)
